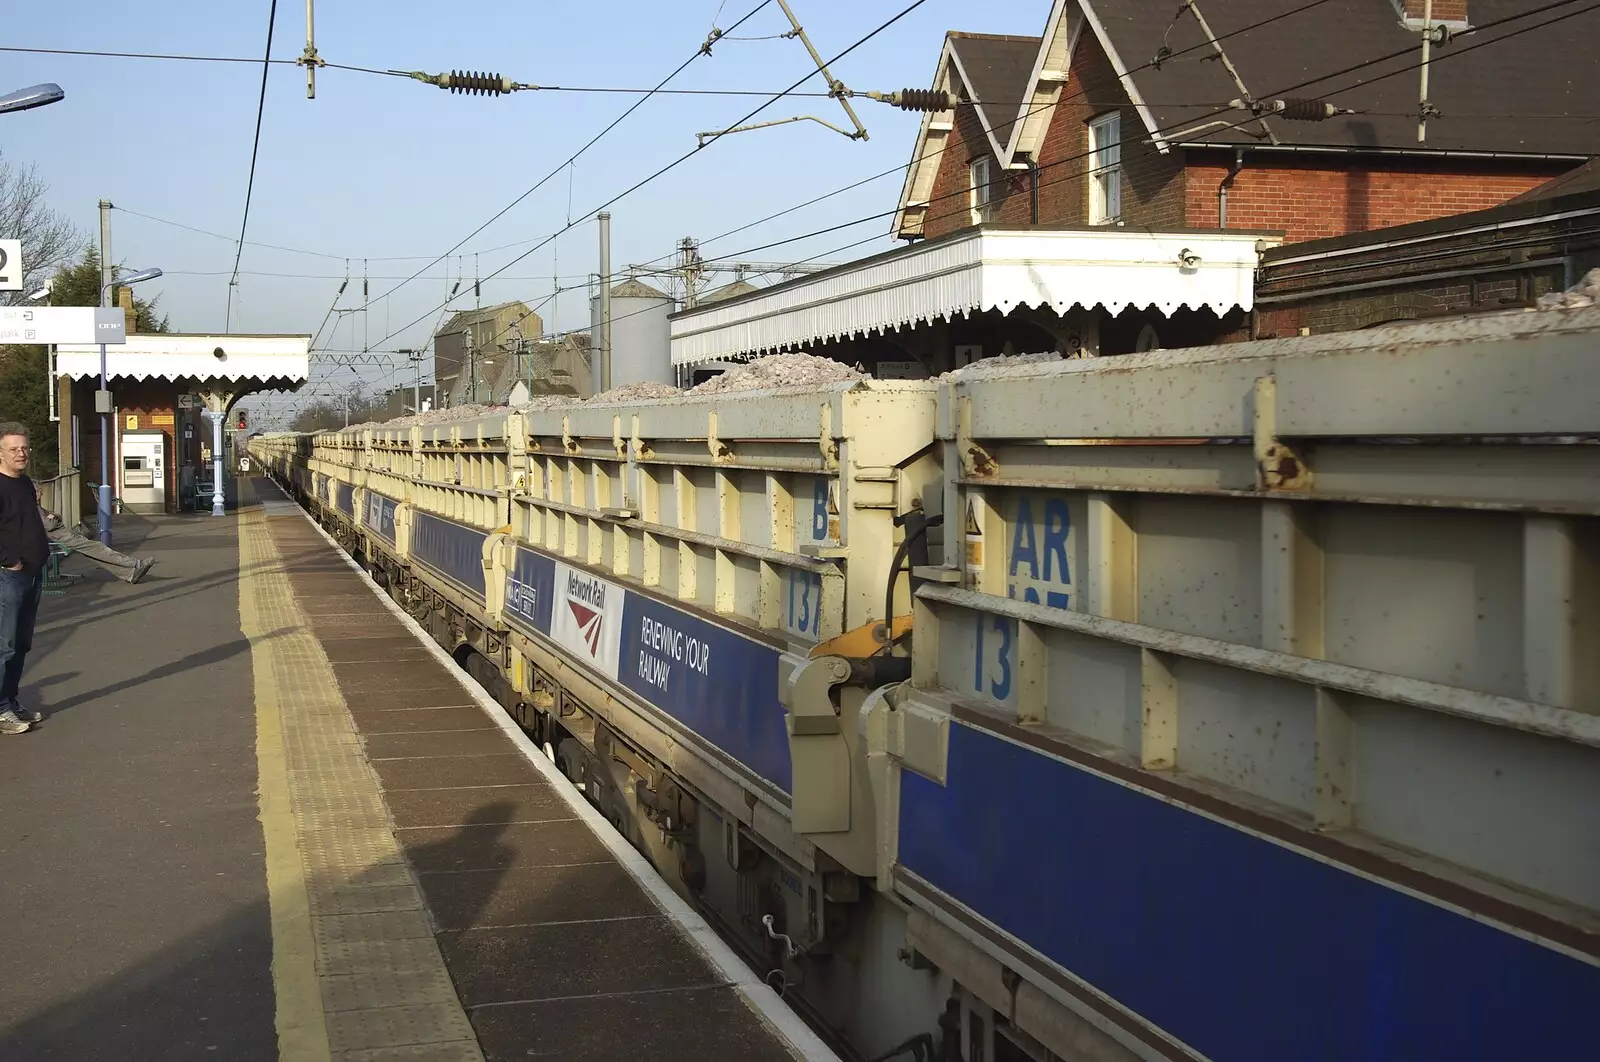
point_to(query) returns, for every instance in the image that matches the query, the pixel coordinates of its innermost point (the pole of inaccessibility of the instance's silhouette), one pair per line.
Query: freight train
(1229, 703)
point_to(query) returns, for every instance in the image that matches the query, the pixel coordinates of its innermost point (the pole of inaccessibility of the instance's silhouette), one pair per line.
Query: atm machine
(143, 486)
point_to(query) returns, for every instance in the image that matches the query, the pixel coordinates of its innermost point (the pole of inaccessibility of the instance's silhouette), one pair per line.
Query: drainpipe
(1227, 182)
(1033, 192)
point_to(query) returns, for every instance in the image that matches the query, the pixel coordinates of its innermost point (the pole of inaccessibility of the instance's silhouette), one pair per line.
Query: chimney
(125, 300)
(1443, 10)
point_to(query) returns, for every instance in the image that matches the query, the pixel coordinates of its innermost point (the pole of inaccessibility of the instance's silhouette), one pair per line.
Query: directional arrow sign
(62, 324)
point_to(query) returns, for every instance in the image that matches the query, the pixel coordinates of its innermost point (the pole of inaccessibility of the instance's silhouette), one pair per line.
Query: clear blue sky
(379, 166)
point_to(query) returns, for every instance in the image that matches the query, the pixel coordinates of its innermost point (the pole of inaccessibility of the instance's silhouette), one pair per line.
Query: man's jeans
(94, 549)
(19, 608)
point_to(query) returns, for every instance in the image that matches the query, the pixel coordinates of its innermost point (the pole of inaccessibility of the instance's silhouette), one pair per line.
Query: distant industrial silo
(641, 337)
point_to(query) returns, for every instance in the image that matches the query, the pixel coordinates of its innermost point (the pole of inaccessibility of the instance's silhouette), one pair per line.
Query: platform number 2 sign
(10, 265)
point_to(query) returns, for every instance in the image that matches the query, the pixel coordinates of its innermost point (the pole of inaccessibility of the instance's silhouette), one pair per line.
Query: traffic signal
(242, 424)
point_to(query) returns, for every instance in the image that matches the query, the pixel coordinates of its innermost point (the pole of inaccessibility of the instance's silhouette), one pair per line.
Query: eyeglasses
(16, 449)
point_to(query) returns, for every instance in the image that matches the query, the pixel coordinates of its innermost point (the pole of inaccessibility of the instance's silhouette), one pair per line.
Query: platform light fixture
(27, 99)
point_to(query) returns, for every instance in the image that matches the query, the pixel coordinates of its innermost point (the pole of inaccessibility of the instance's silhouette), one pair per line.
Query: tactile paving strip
(427, 1023)
(385, 992)
(446, 1052)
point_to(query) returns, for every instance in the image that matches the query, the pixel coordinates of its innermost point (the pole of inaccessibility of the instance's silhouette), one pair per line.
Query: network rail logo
(588, 619)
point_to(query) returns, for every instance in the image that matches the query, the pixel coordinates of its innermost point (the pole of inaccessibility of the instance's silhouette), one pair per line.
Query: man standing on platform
(24, 548)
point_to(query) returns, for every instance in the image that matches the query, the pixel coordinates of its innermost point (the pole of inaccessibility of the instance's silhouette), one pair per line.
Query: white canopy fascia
(974, 271)
(276, 359)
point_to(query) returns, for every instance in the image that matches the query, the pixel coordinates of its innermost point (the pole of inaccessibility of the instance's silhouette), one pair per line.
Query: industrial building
(640, 335)
(469, 346)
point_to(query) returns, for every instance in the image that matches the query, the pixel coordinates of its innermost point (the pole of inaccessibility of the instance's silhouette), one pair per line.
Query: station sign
(10, 265)
(62, 324)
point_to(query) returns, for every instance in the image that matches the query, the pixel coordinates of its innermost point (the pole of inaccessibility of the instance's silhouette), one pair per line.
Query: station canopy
(247, 362)
(978, 270)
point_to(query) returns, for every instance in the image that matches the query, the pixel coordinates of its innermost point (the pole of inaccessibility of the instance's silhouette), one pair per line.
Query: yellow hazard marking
(302, 1024)
(974, 537)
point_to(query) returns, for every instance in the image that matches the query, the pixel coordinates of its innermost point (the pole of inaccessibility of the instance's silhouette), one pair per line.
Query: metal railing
(63, 496)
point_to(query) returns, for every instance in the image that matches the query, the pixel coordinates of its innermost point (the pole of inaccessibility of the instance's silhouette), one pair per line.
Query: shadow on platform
(209, 996)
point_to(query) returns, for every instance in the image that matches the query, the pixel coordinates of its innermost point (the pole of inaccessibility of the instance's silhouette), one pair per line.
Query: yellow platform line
(301, 1023)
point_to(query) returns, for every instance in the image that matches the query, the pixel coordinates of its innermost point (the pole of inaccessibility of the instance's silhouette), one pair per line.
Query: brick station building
(1118, 115)
(171, 395)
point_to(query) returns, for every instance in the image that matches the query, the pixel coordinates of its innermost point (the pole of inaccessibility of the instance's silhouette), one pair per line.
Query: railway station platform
(265, 818)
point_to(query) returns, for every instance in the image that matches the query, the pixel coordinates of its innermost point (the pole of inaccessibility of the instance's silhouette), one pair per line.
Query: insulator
(475, 84)
(922, 100)
(1303, 110)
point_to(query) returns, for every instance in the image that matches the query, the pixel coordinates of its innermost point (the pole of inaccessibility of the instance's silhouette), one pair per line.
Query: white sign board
(187, 402)
(62, 324)
(10, 265)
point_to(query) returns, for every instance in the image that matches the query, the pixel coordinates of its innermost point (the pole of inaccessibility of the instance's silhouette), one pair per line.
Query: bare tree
(341, 409)
(49, 240)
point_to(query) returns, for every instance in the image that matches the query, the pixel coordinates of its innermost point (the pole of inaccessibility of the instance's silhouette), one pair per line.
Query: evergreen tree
(79, 285)
(25, 370)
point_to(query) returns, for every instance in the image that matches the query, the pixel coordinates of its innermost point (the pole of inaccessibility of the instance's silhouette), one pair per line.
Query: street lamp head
(31, 97)
(132, 278)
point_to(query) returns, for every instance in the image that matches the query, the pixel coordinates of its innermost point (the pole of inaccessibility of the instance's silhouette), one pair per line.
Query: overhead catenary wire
(904, 166)
(518, 243)
(255, 150)
(269, 246)
(882, 27)
(570, 160)
(1076, 96)
(581, 89)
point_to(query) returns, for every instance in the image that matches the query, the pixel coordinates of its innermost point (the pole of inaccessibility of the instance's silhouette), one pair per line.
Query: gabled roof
(1013, 83)
(461, 320)
(994, 70)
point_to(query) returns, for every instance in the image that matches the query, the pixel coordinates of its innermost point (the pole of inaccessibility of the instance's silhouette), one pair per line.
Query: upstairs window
(981, 176)
(1105, 169)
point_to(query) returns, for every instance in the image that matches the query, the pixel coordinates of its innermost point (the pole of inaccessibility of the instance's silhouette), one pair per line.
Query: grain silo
(641, 337)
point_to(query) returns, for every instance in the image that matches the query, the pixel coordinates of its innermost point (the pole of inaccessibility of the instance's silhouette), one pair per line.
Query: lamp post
(102, 401)
(31, 97)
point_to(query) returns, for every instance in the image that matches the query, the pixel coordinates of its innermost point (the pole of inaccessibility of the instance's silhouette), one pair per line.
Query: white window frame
(1105, 169)
(980, 189)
